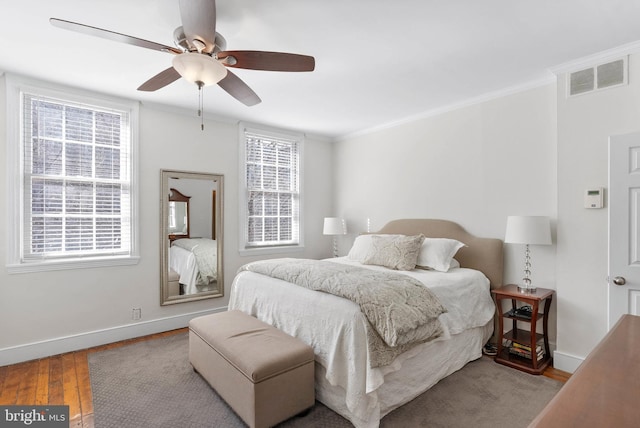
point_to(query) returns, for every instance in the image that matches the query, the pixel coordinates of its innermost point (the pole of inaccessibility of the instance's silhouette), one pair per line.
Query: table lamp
(528, 230)
(334, 226)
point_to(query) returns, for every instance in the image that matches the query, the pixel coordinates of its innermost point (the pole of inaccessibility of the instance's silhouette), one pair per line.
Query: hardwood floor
(61, 379)
(556, 374)
(64, 379)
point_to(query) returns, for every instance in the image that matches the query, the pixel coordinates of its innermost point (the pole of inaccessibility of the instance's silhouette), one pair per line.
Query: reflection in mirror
(178, 215)
(191, 236)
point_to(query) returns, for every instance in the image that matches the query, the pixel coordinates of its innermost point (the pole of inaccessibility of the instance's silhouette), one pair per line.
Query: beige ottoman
(264, 374)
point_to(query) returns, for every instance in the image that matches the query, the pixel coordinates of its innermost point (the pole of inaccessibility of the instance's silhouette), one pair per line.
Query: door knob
(619, 280)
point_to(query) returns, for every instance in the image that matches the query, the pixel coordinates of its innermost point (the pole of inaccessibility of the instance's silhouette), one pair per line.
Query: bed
(195, 262)
(346, 380)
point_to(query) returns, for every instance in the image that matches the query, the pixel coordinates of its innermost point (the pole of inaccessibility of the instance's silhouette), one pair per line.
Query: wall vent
(601, 76)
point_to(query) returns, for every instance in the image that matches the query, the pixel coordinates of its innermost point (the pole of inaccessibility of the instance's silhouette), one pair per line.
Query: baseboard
(566, 363)
(60, 345)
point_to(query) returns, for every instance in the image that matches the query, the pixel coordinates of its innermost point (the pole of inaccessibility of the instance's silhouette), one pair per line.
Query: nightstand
(526, 344)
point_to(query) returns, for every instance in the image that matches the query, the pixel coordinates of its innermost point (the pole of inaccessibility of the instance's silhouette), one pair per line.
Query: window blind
(76, 179)
(273, 195)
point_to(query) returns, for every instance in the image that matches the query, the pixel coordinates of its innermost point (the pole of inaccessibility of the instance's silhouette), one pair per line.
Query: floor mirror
(191, 235)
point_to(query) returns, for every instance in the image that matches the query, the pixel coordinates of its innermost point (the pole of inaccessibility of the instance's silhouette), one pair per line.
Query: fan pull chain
(201, 105)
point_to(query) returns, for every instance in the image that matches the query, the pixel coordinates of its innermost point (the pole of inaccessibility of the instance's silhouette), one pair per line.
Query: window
(271, 192)
(76, 199)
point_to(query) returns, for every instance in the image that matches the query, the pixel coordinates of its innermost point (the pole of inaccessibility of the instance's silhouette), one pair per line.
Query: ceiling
(377, 62)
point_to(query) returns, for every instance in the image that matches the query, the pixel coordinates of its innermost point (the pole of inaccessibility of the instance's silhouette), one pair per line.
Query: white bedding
(335, 327)
(185, 264)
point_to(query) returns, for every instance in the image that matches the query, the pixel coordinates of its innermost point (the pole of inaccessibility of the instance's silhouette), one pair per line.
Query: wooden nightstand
(523, 339)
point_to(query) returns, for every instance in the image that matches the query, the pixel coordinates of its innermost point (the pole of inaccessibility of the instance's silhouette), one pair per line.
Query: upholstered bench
(264, 374)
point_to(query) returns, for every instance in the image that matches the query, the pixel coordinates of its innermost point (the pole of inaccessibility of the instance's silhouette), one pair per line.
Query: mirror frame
(217, 200)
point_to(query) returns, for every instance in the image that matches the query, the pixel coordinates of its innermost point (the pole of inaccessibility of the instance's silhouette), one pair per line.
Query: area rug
(152, 384)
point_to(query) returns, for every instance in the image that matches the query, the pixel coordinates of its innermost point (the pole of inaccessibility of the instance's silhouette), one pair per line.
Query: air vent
(598, 77)
(610, 74)
(582, 81)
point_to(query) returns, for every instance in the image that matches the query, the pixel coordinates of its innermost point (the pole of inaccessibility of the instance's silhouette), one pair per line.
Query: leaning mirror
(190, 236)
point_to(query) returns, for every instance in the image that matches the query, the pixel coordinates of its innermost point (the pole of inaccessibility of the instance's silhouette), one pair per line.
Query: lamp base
(527, 287)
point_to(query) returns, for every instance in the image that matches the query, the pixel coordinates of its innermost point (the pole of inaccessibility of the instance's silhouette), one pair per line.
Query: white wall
(475, 165)
(585, 123)
(53, 312)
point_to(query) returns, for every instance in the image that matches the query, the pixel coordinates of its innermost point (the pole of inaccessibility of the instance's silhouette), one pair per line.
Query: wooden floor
(61, 379)
(64, 379)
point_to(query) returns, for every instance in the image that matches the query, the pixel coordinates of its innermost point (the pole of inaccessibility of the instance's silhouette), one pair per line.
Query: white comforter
(335, 327)
(185, 263)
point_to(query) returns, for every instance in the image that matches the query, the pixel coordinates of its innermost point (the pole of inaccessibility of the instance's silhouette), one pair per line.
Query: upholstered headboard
(483, 254)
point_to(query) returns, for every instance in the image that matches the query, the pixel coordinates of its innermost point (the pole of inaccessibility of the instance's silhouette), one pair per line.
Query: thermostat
(594, 197)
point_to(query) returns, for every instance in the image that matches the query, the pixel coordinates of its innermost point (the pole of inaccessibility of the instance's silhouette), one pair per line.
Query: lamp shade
(334, 226)
(196, 67)
(534, 230)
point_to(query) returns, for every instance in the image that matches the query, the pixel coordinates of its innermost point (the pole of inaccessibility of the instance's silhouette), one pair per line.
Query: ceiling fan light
(196, 67)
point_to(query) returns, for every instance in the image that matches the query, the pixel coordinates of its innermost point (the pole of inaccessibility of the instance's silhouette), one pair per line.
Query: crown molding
(547, 80)
(570, 66)
(597, 58)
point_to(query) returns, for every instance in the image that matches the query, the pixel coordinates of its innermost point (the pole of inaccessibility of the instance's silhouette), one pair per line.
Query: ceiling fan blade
(160, 80)
(199, 22)
(111, 35)
(270, 61)
(239, 90)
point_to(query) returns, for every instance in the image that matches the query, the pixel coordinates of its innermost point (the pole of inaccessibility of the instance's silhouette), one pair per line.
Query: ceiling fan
(200, 56)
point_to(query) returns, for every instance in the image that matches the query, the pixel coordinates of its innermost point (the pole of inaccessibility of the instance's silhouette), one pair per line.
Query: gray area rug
(152, 384)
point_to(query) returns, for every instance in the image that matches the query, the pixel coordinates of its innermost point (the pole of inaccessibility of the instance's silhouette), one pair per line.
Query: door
(624, 226)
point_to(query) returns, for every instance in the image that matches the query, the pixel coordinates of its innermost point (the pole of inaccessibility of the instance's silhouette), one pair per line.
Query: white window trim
(242, 229)
(14, 86)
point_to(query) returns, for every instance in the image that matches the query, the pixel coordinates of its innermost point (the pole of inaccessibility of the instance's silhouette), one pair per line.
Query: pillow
(453, 265)
(394, 252)
(361, 247)
(437, 253)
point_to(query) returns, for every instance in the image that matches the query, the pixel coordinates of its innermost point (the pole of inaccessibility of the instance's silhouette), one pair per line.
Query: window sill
(271, 250)
(51, 265)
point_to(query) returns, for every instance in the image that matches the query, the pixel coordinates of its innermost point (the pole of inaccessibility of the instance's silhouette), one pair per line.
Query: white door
(624, 226)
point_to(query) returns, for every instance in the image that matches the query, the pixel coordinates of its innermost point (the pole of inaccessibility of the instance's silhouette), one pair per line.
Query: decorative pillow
(395, 252)
(361, 247)
(437, 253)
